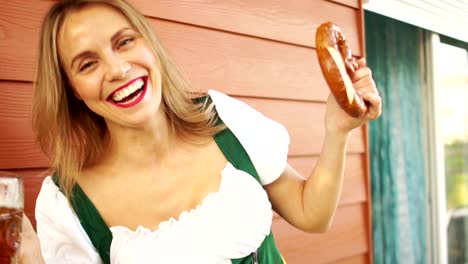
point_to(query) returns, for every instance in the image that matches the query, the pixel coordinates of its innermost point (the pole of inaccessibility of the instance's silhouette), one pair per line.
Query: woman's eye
(86, 65)
(125, 42)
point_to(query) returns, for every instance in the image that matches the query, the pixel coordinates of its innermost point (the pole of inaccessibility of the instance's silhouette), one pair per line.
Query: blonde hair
(70, 134)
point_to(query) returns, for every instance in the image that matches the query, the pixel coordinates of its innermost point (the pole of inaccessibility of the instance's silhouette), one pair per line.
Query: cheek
(148, 58)
(151, 63)
(87, 89)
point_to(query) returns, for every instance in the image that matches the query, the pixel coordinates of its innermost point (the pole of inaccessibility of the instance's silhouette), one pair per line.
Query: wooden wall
(261, 52)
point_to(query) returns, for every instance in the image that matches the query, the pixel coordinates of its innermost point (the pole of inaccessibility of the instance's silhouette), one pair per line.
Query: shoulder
(265, 140)
(59, 230)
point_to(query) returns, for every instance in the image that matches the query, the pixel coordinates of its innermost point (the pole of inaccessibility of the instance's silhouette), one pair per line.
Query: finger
(27, 226)
(371, 98)
(366, 86)
(360, 74)
(361, 62)
(374, 102)
(30, 249)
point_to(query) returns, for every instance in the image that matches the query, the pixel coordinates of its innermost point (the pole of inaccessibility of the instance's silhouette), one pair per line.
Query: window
(451, 69)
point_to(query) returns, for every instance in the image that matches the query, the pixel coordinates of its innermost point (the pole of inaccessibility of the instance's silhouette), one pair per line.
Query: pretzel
(337, 65)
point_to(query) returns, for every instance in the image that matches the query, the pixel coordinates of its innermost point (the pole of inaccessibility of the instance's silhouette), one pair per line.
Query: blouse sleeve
(265, 140)
(61, 236)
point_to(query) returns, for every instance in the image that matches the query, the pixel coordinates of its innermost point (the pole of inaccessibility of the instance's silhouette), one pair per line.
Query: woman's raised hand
(337, 120)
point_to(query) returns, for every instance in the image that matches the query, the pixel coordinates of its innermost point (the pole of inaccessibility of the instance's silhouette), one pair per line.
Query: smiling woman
(110, 67)
(142, 172)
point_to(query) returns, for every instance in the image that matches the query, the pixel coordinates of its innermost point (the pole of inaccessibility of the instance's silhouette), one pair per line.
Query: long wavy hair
(69, 133)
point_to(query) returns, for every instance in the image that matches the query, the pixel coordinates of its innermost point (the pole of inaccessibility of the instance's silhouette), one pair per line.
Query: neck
(136, 148)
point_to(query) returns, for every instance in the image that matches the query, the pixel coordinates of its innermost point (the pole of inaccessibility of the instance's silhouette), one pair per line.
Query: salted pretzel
(337, 65)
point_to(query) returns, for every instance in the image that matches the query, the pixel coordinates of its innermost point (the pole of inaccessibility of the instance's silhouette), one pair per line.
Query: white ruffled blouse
(230, 223)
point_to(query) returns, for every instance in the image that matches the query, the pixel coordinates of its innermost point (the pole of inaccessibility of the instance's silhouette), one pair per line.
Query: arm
(310, 204)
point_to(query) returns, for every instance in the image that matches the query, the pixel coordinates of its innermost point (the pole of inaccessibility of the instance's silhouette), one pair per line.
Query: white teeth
(118, 96)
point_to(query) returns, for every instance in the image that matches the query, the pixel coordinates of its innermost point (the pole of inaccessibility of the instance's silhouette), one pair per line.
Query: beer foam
(11, 193)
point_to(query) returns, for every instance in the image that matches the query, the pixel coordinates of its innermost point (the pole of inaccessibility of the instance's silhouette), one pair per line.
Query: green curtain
(396, 145)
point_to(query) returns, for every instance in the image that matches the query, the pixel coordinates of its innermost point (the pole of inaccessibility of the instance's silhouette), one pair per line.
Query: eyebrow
(87, 53)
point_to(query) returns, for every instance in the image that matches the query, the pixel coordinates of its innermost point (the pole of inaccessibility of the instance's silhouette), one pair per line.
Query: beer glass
(11, 215)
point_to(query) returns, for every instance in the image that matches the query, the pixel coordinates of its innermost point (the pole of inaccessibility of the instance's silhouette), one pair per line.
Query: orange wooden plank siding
(359, 259)
(350, 3)
(346, 238)
(285, 21)
(261, 52)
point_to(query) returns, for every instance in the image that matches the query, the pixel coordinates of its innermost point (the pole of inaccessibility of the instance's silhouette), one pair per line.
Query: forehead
(91, 23)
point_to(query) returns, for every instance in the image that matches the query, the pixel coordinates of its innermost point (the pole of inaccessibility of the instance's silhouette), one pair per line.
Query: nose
(117, 67)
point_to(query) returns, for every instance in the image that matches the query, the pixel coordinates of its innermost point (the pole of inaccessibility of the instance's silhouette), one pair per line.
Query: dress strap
(230, 146)
(91, 221)
(235, 153)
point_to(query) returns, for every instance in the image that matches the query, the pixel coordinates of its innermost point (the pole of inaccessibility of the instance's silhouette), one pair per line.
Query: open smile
(129, 94)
